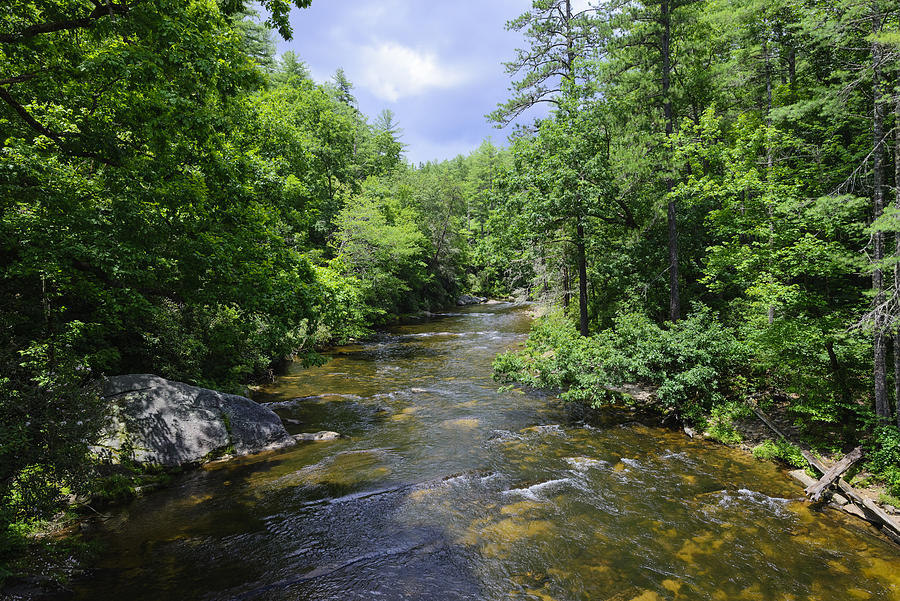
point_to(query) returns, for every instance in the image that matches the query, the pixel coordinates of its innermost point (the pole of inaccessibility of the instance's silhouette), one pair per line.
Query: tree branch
(42, 129)
(27, 117)
(18, 78)
(100, 10)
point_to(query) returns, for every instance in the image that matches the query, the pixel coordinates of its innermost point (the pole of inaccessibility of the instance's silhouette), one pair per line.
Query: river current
(443, 488)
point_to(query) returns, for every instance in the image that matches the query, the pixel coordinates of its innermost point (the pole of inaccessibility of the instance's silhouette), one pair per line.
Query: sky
(438, 65)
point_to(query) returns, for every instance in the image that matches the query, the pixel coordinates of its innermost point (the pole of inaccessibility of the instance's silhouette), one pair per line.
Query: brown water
(445, 489)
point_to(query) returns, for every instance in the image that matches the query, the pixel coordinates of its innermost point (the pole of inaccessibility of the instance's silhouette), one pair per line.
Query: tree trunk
(769, 164)
(882, 404)
(665, 47)
(792, 67)
(566, 288)
(570, 43)
(897, 249)
(674, 296)
(581, 259)
(838, 371)
(582, 280)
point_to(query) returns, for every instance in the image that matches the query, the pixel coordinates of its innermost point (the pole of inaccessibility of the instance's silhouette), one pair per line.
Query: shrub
(781, 450)
(720, 425)
(47, 418)
(883, 453)
(693, 363)
(888, 499)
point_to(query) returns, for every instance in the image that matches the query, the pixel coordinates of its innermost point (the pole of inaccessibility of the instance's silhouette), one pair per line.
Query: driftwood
(858, 506)
(815, 491)
(766, 421)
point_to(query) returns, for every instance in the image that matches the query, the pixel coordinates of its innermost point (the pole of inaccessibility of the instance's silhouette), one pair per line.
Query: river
(445, 489)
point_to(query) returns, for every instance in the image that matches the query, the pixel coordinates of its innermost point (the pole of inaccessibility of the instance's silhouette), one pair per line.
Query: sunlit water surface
(445, 489)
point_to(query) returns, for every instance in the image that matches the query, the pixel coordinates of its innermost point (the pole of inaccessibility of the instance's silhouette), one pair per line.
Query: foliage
(720, 424)
(555, 356)
(883, 457)
(47, 417)
(781, 450)
(744, 132)
(887, 499)
(692, 365)
(557, 36)
(175, 199)
(167, 194)
(379, 242)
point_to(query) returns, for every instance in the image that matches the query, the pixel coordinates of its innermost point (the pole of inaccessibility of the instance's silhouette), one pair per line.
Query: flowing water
(445, 489)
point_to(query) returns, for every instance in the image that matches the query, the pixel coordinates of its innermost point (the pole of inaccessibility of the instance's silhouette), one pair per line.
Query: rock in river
(158, 421)
(318, 436)
(468, 299)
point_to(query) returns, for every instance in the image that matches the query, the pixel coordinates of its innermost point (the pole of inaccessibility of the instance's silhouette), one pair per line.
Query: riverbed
(443, 488)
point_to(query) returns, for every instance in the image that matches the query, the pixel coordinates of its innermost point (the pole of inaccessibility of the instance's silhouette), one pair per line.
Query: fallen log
(858, 506)
(870, 510)
(766, 421)
(813, 461)
(815, 491)
(802, 477)
(888, 524)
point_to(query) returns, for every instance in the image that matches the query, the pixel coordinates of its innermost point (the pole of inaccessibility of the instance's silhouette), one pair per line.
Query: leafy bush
(781, 450)
(720, 425)
(47, 418)
(888, 499)
(556, 356)
(693, 363)
(342, 313)
(115, 488)
(883, 453)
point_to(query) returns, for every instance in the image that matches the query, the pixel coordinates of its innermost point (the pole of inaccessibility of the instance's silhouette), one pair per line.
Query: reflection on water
(444, 489)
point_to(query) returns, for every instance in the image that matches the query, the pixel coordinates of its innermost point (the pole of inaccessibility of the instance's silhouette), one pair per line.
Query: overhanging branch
(100, 10)
(57, 137)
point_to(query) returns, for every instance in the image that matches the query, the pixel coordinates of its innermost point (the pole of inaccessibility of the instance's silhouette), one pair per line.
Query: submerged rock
(157, 421)
(318, 436)
(35, 588)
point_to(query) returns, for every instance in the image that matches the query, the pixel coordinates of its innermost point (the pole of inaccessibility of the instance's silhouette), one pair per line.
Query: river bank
(439, 466)
(445, 488)
(775, 438)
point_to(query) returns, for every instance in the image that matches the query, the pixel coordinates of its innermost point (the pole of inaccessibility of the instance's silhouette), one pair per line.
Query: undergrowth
(781, 450)
(694, 365)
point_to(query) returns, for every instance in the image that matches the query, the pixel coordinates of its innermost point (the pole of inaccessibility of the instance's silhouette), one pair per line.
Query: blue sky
(437, 64)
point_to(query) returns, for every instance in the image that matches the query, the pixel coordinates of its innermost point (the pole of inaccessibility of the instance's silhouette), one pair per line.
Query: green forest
(710, 208)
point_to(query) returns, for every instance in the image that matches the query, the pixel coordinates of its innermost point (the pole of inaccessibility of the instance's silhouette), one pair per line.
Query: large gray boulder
(157, 421)
(468, 299)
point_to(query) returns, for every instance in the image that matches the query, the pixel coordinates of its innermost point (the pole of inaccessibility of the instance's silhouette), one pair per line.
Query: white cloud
(392, 71)
(581, 5)
(373, 14)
